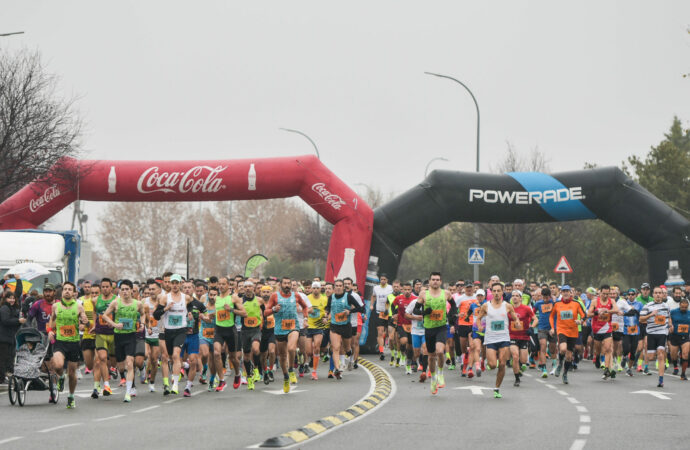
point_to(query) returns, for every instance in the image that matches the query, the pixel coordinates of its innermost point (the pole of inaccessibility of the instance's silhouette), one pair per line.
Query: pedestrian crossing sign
(475, 255)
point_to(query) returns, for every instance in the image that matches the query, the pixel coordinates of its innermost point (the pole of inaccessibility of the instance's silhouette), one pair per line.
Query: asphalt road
(587, 413)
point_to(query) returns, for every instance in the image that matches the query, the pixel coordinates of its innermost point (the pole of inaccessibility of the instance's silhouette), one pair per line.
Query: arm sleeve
(453, 313)
(328, 305)
(158, 313)
(357, 306)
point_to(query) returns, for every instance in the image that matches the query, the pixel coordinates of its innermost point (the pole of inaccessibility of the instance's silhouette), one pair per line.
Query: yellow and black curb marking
(381, 391)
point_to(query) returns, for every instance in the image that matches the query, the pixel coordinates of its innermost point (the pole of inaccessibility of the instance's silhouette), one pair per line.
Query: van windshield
(55, 278)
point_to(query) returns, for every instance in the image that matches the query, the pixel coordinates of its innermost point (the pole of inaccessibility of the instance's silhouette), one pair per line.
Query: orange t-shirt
(565, 315)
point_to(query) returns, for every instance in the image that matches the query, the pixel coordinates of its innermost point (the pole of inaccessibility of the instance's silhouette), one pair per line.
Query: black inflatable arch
(526, 197)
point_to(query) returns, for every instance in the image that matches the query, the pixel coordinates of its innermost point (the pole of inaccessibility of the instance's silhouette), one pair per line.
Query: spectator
(9, 324)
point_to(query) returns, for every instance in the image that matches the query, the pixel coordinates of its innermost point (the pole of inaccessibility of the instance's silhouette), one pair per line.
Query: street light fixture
(10, 34)
(289, 130)
(426, 171)
(476, 105)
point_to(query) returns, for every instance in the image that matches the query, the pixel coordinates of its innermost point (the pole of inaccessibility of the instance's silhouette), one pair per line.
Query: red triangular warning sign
(563, 266)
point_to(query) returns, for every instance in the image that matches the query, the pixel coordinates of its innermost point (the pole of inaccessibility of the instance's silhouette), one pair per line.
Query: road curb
(382, 390)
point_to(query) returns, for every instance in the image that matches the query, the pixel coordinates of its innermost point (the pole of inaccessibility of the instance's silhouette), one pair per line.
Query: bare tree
(37, 128)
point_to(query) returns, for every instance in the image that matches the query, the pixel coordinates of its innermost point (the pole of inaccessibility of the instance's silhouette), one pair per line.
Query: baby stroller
(32, 347)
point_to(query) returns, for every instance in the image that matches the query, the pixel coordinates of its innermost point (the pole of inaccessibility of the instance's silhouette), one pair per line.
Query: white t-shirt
(382, 294)
(417, 325)
(354, 316)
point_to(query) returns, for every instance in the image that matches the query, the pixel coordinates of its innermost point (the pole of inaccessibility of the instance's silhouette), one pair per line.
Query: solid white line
(527, 375)
(540, 381)
(572, 400)
(5, 441)
(578, 444)
(372, 382)
(562, 392)
(145, 409)
(585, 419)
(581, 409)
(108, 418)
(196, 393)
(551, 386)
(48, 430)
(172, 401)
(584, 429)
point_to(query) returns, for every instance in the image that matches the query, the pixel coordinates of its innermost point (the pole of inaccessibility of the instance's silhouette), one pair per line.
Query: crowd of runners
(168, 330)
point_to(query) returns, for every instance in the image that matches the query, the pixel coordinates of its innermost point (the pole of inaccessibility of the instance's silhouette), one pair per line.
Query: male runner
(600, 311)
(355, 323)
(463, 331)
(251, 333)
(519, 339)
(680, 337)
(195, 310)
(543, 308)
(338, 309)
(207, 332)
(657, 317)
(227, 306)
(379, 305)
(565, 317)
(105, 341)
(317, 324)
(404, 324)
(267, 347)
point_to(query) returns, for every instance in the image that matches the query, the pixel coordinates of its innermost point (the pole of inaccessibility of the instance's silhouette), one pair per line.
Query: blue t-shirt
(681, 321)
(543, 310)
(631, 324)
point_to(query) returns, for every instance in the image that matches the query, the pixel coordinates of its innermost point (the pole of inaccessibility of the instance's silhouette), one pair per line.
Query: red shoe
(123, 382)
(221, 386)
(422, 377)
(236, 383)
(464, 371)
(482, 366)
(187, 393)
(470, 374)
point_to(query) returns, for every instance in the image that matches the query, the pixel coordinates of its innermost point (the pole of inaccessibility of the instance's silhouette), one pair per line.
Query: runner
(414, 313)
(172, 310)
(631, 330)
(195, 310)
(355, 323)
(283, 305)
(207, 334)
(565, 317)
(66, 319)
(497, 336)
(463, 331)
(227, 306)
(436, 317)
(340, 305)
(88, 340)
(267, 347)
(656, 315)
(251, 333)
(126, 312)
(379, 306)
(543, 308)
(404, 329)
(105, 341)
(316, 326)
(601, 311)
(393, 339)
(477, 349)
(680, 327)
(519, 340)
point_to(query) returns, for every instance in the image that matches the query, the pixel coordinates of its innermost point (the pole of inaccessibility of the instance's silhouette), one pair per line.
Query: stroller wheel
(20, 387)
(11, 390)
(53, 388)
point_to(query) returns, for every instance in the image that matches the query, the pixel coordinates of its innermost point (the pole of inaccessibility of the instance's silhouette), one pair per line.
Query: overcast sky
(587, 82)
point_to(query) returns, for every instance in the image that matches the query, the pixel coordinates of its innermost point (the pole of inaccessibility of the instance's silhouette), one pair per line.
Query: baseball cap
(266, 289)
(645, 286)
(176, 277)
(480, 292)
(632, 291)
(478, 282)
(565, 287)
(591, 290)
(48, 287)
(316, 284)
(663, 286)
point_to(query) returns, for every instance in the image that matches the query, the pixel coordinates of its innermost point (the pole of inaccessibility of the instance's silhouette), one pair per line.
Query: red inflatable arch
(244, 179)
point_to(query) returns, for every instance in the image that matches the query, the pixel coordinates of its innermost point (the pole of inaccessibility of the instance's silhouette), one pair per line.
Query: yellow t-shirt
(318, 310)
(88, 309)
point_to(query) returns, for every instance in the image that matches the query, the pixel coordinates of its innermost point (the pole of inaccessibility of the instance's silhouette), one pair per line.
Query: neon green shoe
(434, 385)
(441, 383)
(286, 385)
(250, 383)
(293, 377)
(497, 394)
(257, 375)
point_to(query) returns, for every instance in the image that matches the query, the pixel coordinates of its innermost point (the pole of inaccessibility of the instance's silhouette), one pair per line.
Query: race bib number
(138, 326)
(498, 325)
(287, 324)
(222, 315)
(436, 315)
(516, 326)
(407, 328)
(546, 307)
(341, 316)
(68, 330)
(383, 315)
(615, 326)
(251, 322)
(208, 333)
(153, 322)
(660, 320)
(270, 321)
(175, 320)
(604, 317)
(566, 315)
(683, 329)
(127, 324)
(632, 329)
(101, 321)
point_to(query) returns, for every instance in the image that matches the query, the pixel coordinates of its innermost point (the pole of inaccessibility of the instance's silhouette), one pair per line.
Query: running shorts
(140, 349)
(249, 335)
(520, 344)
(601, 336)
(344, 331)
(432, 336)
(678, 339)
(125, 345)
(417, 340)
(498, 345)
(227, 335)
(88, 344)
(463, 331)
(106, 342)
(617, 336)
(175, 338)
(267, 337)
(570, 342)
(70, 350)
(656, 342)
(191, 345)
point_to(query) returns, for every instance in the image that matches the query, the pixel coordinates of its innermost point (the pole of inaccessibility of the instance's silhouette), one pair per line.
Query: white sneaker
(553, 372)
(79, 375)
(244, 381)
(152, 388)
(133, 392)
(349, 363)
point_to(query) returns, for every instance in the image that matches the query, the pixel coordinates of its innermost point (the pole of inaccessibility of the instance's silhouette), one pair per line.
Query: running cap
(591, 290)
(316, 285)
(645, 286)
(176, 277)
(663, 286)
(565, 287)
(632, 291)
(480, 292)
(48, 287)
(266, 289)
(478, 282)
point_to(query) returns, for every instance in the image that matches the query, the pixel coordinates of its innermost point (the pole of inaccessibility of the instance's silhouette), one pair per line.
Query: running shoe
(61, 383)
(271, 378)
(250, 383)
(152, 388)
(683, 377)
(629, 372)
(123, 382)
(565, 378)
(408, 370)
(553, 372)
(330, 374)
(87, 371)
(355, 365)
(517, 382)
(70, 403)
(221, 386)
(324, 358)
(612, 373)
(434, 385)
(301, 370)
(79, 375)
(293, 377)
(523, 368)
(397, 362)
(94, 394)
(470, 374)
(127, 398)
(558, 371)
(606, 374)
(133, 392)
(497, 394)
(107, 391)
(639, 367)
(202, 380)
(543, 373)
(464, 371)
(338, 374)
(174, 389)
(451, 367)
(660, 385)
(381, 356)
(113, 373)
(187, 393)
(482, 366)
(350, 363)
(392, 362)
(419, 367)
(243, 380)
(286, 385)
(646, 371)
(257, 375)
(422, 377)
(166, 390)
(675, 371)
(441, 381)
(314, 376)
(266, 380)
(237, 382)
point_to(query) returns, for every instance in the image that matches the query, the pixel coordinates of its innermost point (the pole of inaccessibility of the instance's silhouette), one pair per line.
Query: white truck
(57, 251)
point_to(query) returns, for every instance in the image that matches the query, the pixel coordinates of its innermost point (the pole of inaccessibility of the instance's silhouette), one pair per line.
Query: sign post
(563, 267)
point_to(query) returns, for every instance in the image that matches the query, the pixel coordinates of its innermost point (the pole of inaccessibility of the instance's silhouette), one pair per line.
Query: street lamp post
(318, 217)
(11, 34)
(476, 105)
(426, 171)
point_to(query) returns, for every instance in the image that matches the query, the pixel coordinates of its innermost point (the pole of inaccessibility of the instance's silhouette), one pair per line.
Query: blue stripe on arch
(561, 211)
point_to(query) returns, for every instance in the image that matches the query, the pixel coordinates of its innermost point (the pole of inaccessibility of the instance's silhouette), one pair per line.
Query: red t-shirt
(401, 303)
(525, 315)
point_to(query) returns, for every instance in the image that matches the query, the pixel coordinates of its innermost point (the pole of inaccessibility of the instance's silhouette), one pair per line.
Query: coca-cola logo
(332, 199)
(197, 179)
(48, 195)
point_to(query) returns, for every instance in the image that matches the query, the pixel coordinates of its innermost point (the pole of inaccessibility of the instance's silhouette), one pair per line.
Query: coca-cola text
(197, 179)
